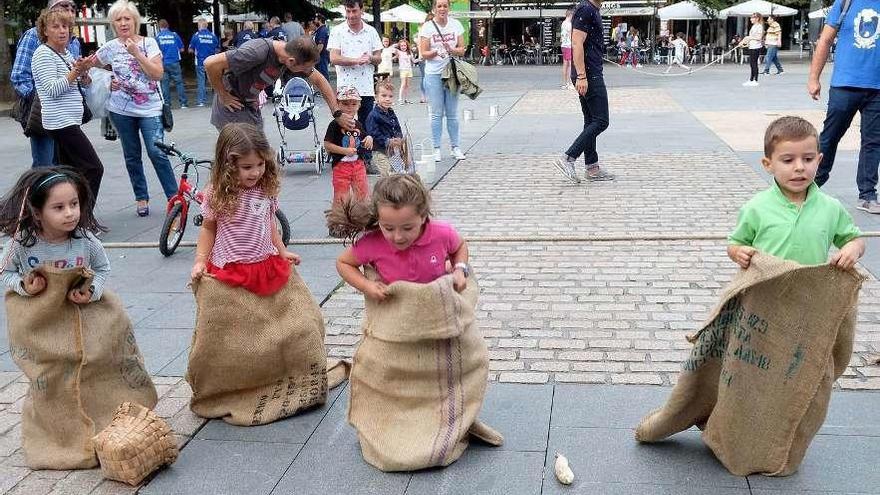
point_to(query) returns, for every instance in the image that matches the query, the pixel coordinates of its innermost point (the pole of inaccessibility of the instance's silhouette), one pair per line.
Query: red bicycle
(187, 192)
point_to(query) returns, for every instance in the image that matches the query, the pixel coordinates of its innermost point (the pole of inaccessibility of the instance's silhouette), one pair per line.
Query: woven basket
(136, 443)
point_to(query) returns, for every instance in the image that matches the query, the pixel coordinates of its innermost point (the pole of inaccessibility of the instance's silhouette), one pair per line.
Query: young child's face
(385, 98)
(400, 226)
(793, 164)
(402, 46)
(386, 42)
(350, 107)
(60, 215)
(250, 169)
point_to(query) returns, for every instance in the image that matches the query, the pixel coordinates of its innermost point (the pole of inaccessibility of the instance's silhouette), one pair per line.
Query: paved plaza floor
(585, 335)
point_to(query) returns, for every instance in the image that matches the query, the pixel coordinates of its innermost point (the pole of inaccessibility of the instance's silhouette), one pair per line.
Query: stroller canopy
(297, 104)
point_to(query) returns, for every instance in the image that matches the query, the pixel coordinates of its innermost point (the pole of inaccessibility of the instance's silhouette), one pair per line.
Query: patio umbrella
(340, 9)
(763, 7)
(403, 13)
(682, 11)
(819, 14)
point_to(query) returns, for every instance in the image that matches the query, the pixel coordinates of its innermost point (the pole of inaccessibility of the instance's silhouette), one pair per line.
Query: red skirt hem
(263, 278)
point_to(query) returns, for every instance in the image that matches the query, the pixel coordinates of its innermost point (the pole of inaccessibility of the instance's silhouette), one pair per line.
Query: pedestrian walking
(588, 49)
(681, 49)
(291, 28)
(773, 40)
(171, 46)
(404, 69)
(42, 145)
(565, 37)
(754, 41)
(439, 40)
(855, 87)
(203, 44)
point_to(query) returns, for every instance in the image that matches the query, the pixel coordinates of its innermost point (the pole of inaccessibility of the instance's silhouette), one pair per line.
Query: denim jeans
(443, 102)
(201, 93)
(594, 106)
(151, 129)
(772, 58)
(173, 74)
(42, 151)
(843, 103)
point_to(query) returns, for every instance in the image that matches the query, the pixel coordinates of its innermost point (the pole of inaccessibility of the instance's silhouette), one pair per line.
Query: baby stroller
(294, 110)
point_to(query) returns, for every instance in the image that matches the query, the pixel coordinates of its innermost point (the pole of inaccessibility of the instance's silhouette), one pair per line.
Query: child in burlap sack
(412, 412)
(48, 218)
(793, 219)
(399, 238)
(238, 242)
(72, 339)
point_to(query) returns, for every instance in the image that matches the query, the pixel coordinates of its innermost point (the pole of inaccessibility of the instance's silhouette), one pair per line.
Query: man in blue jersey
(588, 48)
(42, 147)
(171, 46)
(855, 87)
(203, 44)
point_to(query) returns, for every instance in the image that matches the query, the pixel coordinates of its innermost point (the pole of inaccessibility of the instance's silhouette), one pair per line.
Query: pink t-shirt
(422, 262)
(246, 235)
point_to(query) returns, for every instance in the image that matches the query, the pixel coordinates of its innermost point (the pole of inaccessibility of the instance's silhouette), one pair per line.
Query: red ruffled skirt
(263, 278)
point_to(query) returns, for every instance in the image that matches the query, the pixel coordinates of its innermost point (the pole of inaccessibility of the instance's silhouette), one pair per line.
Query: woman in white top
(565, 36)
(754, 41)
(58, 80)
(439, 40)
(135, 104)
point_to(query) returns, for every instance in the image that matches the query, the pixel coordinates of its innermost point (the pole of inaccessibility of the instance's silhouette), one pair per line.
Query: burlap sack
(759, 377)
(419, 377)
(255, 360)
(82, 362)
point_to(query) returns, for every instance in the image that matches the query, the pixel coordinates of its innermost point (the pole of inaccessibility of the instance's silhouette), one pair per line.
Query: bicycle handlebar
(168, 149)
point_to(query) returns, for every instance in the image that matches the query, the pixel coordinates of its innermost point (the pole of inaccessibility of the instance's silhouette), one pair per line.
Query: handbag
(87, 112)
(455, 85)
(33, 126)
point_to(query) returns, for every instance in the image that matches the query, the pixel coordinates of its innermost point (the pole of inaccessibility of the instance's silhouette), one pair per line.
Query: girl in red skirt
(238, 242)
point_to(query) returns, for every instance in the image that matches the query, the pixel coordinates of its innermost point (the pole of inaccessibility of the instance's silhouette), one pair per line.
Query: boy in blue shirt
(793, 219)
(171, 46)
(383, 126)
(203, 44)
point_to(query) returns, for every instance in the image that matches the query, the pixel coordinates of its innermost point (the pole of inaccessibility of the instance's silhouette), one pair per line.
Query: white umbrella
(340, 9)
(404, 13)
(819, 14)
(682, 11)
(762, 7)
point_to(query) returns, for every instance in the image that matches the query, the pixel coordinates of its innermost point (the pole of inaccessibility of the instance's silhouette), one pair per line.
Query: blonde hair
(235, 141)
(789, 128)
(48, 17)
(386, 85)
(351, 217)
(122, 7)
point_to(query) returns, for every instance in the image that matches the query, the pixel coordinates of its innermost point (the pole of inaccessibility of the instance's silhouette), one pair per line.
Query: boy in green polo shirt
(793, 219)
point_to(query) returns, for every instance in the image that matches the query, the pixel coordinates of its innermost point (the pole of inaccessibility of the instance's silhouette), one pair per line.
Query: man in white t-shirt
(355, 50)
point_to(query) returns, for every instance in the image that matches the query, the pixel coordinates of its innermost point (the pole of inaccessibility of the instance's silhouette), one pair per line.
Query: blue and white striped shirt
(21, 77)
(61, 101)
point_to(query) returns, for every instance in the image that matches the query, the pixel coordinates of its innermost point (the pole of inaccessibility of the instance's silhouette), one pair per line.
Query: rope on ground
(483, 239)
(666, 74)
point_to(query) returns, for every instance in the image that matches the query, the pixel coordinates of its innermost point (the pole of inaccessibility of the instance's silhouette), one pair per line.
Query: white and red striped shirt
(246, 235)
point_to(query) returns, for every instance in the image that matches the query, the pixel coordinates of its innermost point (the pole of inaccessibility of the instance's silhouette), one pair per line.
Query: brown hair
(235, 141)
(350, 217)
(163, 24)
(49, 17)
(303, 49)
(385, 84)
(758, 15)
(789, 128)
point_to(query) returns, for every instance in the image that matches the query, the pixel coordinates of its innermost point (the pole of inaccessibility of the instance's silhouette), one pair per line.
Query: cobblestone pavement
(620, 100)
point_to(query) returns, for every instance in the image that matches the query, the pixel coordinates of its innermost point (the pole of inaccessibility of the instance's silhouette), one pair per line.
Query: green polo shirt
(772, 224)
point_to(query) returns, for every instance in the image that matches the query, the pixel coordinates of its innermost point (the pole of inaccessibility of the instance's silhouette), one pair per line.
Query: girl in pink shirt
(238, 243)
(400, 241)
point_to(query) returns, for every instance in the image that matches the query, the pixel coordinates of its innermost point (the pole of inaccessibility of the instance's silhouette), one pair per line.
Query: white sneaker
(458, 154)
(437, 156)
(750, 83)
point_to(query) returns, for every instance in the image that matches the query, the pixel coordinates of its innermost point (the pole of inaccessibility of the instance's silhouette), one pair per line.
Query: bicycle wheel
(283, 226)
(172, 230)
